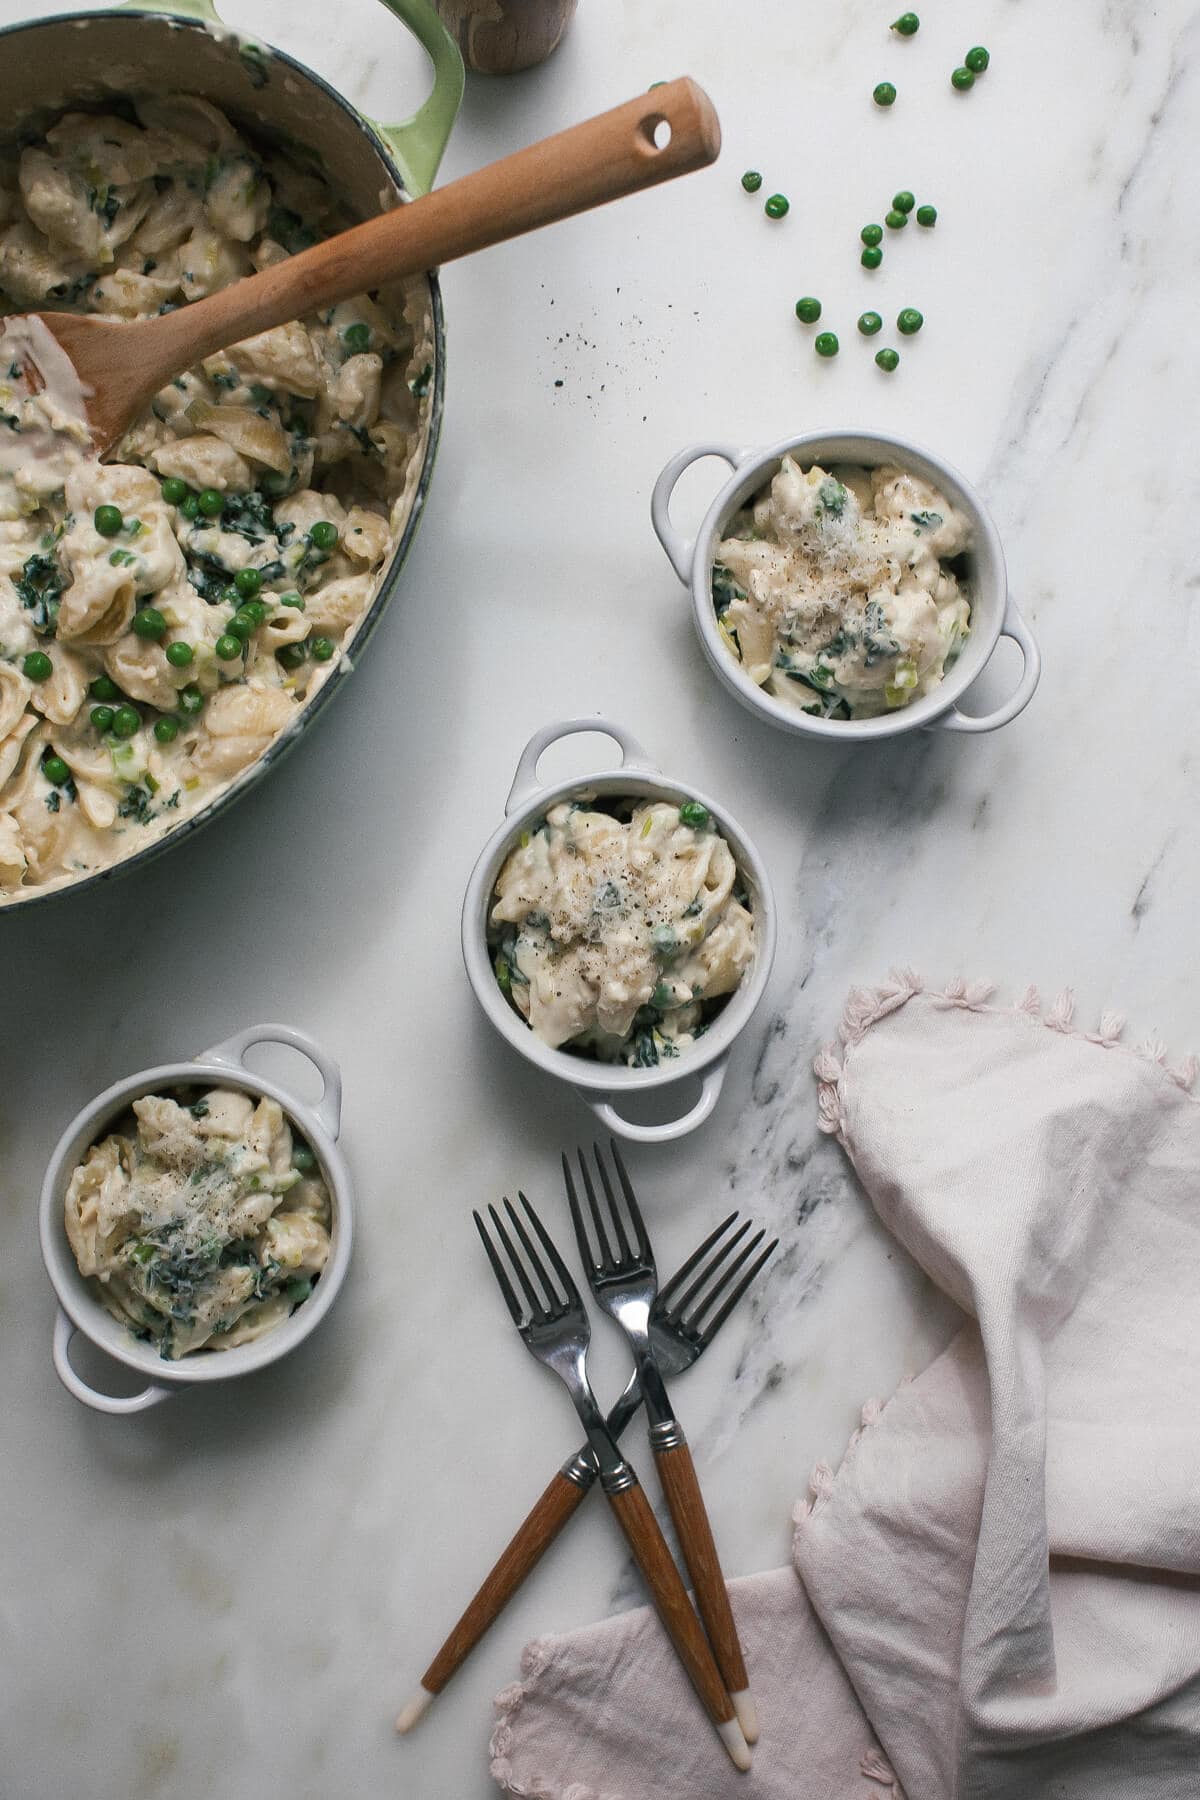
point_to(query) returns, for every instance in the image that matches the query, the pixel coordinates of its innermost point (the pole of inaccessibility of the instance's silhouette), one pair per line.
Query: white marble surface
(231, 1594)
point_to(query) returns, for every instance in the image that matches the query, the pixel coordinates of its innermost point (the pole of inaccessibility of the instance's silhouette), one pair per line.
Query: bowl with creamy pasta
(197, 1220)
(847, 585)
(173, 616)
(618, 931)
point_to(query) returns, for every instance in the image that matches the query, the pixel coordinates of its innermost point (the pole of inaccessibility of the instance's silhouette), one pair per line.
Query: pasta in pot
(165, 615)
(201, 1219)
(617, 926)
(841, 591)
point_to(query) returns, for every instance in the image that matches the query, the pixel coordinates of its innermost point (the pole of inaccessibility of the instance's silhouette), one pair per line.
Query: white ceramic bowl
(79, 1310)
(993, 611)
(603, 1085)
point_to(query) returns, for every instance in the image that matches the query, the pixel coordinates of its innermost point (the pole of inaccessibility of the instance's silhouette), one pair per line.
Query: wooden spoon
(121, 364)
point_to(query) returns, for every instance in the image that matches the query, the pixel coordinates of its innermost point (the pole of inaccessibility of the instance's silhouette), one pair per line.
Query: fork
(684, 1321)
(555, 1329)
(623, 1278)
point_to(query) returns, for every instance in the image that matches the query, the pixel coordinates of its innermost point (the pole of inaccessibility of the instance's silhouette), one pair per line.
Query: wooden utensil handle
(600, 160)
(674, 1608)
(677, 1472)
(522, 1554)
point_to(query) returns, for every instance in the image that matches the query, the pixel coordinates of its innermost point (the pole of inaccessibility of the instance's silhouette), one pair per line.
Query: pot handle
(710, 1090)
(233, 1051)
(526, 787)
(679, 549)
(64, 1331)
(1013, 627)
(417, 143)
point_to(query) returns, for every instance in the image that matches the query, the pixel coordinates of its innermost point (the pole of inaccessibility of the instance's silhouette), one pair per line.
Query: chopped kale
(251, 517)
(833, 496)
(149, 266)
(71, 292)
(104, 203)
(724, 588)
(136, 805)
(254, 61)
(38, 586)
(289, 229)
(52, 801)
(362, 438)
(420, 383)
(928, 521)
(199, 1109)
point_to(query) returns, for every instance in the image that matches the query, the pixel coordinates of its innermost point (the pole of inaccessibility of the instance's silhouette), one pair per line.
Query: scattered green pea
(303, 1159)
(887, 359)
(907, 25)
(149, 623)
(108, 520)
(190, 701)
(694, 813)
(752, 181)
(904, 201)
(871, 257)
(241, 627)
(869, 323)
(825, 343)
(298, 1291)
(962, 79)
(323, 534)
(247, 582)
(977, 59)
(174, 490)
(189, 506)
(37, 666)
(884, 94)
(909, 321)
(126, 720)
(322, 648)
(777, 206)
(211, 503)
(290, 656)
(102, 717)
(179, 655)
(166, 728)
(228, 646)
(927, 215)
(357, 337)
(104, 688)
(808, 309)
(871, 234)
(895, 221)
(55, 770)
(292, 600)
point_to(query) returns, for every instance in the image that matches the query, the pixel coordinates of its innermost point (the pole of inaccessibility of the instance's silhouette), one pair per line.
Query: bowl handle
(526, 787)
(417, 143)
(610, 1118)
(233, 1051)
(1013, 627)
(64, 1331)
(678, 549)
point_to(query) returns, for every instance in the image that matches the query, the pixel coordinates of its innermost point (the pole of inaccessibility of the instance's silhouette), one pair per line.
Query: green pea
(777, 206)
(104, 688)
(256, 610)
(174, 490)
(662, 996)
(357, 337)
(126, 720)
(909, 321)
(149, 623)
(240, 627)
(695, 814)
(871, 257)
(977, 59)
(895, 221)
(211, 503)
(247, 582)
(962, 79)
(323, 534)
(907, 25)
(292, 600)
(298, 1291)
(752, 181)
(927, 215)
(108, 520)
(290, 656)
(808, 309)
(869, 323)
(55, 770)
(884, 94)
(179, 655)
(322, 648)
(825, 343)
(503, 975)
(37, 666)
(166, 728)
(887, 359)
(871, 234)
(904, 201)
(190, 701)
(228, 646)
(189, 506)
(102, 717)
(303, 1159)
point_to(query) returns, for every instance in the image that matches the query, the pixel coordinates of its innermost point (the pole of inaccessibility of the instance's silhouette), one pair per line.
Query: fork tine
(727, 1275)
(685, 1269)
(561, 1269)
(608, 1261)
(590, 1262)
(635, 1211)
(625, 1253)
(498, 1270)
(710, 1268)
(536, 1307)
(714, 1325)
(554, 1303)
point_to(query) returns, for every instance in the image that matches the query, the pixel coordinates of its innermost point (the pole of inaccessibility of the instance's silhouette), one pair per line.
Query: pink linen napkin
(999, 1591)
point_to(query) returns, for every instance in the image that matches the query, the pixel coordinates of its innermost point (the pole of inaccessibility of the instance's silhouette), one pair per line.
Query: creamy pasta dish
(165, 614)
(618, 927)
(202, 1220)
(842, 591)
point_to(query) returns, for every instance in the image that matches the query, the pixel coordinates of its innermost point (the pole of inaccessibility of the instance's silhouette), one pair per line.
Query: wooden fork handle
(677, 1472)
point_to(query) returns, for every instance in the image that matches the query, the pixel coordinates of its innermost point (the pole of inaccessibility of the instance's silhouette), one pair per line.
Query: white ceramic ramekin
(79, 1310)
(993, 611)
(603, 1085)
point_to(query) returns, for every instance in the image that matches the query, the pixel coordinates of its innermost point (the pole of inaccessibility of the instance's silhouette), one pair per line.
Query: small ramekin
(80, 1310)
(994, 613)
(603, 1085)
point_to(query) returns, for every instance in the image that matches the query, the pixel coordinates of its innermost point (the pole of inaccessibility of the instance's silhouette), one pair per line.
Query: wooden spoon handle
(603, 159)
